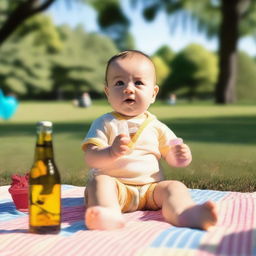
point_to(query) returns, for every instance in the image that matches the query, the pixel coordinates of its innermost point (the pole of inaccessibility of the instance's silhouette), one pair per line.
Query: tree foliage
(65, 61)
(194, 72)
(246, 80)
(80, 66)
(162, 69)
(24, 67)
(165, 53)
(113, 22)
(226, 19)
(15, 13)
(44, 32)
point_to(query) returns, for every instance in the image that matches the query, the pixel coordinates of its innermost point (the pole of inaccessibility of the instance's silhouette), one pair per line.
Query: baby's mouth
(129, 101)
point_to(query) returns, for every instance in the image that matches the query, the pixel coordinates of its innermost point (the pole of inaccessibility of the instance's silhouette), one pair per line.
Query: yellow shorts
(133, 197)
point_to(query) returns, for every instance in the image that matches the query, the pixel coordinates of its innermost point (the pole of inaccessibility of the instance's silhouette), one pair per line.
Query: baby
(124, 147)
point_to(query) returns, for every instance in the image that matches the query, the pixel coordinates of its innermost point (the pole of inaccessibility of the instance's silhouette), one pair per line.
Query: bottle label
(39, 169)
(44, 208)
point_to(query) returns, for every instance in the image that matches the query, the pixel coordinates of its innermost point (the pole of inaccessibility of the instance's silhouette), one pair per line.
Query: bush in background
(246, 79)
(194, 73)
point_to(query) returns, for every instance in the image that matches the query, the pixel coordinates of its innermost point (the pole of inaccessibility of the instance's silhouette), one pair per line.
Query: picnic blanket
(145, 234)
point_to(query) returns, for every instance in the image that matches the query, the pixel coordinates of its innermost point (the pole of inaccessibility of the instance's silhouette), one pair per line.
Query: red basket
(20, 198)
(19, 192)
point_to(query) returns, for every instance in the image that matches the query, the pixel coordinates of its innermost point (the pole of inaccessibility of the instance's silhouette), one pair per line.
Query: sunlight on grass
(222, 140)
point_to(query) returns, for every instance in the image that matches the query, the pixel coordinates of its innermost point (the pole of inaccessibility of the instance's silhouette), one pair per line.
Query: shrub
(246, 78)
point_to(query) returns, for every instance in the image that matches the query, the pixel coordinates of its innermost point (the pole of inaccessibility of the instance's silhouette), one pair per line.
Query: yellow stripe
(122, 117)
(140, 130)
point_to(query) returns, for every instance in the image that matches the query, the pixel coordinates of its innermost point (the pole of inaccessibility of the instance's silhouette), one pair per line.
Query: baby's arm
(97, 157)
(179, 155)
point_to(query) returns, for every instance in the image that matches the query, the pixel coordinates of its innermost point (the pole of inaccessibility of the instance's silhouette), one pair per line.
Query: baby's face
(131, 85)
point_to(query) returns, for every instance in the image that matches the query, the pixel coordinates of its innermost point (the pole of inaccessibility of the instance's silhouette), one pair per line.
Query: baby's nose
(129, 88)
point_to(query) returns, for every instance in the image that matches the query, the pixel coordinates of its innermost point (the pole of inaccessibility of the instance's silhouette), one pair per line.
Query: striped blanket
(145, 234)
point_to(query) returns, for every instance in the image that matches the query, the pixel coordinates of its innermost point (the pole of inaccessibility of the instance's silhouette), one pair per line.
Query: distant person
(85, 101)
(126, 175)
(172, 99)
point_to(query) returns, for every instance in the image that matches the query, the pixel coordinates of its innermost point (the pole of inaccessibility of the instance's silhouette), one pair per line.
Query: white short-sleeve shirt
(150, 141)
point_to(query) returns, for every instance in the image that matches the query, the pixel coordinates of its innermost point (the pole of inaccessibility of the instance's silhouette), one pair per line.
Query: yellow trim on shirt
(140, 130)
(122, 117)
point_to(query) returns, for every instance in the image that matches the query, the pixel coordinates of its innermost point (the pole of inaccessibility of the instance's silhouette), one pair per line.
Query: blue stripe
(172, 240)
(8, 210)
(73, 228)
(184, 234)
(187, 242)
(197, 239)
(157, 242)
(201, 196)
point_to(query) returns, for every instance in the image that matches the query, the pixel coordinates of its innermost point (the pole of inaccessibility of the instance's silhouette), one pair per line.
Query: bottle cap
(45, 124)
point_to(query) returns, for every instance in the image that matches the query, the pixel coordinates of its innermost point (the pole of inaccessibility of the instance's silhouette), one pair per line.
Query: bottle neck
(44, 147)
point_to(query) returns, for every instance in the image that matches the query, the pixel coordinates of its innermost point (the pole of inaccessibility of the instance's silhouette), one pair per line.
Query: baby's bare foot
(103, 218)
(201, 216)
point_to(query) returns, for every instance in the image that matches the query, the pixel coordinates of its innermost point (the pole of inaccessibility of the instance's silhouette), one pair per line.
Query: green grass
(222, 140)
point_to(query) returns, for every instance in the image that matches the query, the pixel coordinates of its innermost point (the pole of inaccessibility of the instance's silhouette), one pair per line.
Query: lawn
(222, 140)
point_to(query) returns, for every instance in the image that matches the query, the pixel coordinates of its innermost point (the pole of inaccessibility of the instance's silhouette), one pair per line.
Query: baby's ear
(155, 92)
(106, 90)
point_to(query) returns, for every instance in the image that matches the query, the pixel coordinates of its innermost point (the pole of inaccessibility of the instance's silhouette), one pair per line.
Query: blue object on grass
(8, 106)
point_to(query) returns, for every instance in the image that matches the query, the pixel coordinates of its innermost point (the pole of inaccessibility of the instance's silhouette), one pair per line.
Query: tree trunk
(23, 11)
(231, 11)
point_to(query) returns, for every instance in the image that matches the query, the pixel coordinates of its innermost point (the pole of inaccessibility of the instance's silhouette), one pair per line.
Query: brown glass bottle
(44, 185)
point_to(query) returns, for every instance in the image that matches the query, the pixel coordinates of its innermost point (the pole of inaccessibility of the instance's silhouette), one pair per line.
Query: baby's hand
(120, 146)
(179, 154)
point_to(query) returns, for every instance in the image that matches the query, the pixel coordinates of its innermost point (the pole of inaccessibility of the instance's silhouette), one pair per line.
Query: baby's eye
(138, 83)
(119, 83)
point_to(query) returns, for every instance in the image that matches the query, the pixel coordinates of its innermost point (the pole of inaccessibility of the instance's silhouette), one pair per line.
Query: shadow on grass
(77, 130)
(230, 129)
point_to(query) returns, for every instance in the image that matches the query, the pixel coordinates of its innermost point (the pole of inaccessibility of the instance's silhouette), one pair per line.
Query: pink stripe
(125, 245)
(226, 243)
(99, 238)
(139, 237)
(17, 223)
(85, 240)
(225, 210)
(248, 221)
(13, 242)
(240, 241)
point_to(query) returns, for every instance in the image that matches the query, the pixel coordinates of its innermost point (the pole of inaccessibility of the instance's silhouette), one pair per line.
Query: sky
(148, 36)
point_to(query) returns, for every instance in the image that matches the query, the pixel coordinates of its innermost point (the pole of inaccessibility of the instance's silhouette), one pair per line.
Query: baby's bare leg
(179, 209)
(103, 210)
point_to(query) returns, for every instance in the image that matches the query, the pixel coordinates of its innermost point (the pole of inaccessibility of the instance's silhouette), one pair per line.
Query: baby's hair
(123, 55)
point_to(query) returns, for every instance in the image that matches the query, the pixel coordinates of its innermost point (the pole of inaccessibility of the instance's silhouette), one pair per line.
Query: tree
(45, 33)
(113, 22)
(24, 62)
(14, 13)
(246, 78)
(229, 19)
(194, 71)
(165, 53)
(111, 19)
(64, 61)
(24, 67)
(81, 64)
(162, 69)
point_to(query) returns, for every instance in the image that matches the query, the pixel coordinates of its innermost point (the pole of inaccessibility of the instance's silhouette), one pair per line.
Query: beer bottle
(44, 185)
